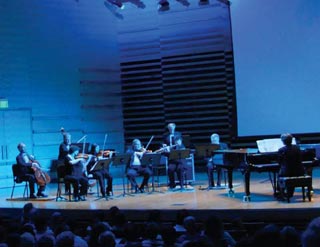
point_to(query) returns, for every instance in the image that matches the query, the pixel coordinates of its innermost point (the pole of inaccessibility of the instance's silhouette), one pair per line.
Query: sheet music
(271, 145)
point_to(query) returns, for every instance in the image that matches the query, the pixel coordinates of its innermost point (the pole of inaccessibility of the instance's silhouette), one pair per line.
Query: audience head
(181, 214)
(286, 138)
(290, 237)
(268, 236)
(65, 239)
(46, 240)
(311, 236)
(107, 239)
(27, 240)
(189, 224)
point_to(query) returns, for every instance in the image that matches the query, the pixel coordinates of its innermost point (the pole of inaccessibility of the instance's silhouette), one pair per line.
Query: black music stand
(179, 155)
(123, 161)
(153, 161)
(99, 165)
(206, 151)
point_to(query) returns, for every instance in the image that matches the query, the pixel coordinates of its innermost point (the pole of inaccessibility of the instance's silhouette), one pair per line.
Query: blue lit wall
(49, 51)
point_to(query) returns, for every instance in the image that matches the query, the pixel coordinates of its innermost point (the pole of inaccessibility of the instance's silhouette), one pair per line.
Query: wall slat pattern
(190, 81)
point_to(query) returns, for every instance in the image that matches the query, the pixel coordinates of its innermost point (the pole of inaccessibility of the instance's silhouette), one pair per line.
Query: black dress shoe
(141, 190)
(32, 196)
(41, 194)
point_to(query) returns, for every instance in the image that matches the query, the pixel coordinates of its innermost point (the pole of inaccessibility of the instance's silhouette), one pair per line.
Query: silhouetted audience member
(65, 239)
(27, 240)
(290, 237)
(311, 236)
(181, 214)
(192, 232)
(46, 240)
(97, 229)
(107, 239)
(152, 236)
(169, 235)
(214, 231)
(267, 237)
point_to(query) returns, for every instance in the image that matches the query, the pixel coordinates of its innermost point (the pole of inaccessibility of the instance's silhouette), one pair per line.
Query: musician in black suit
(215, 160)
(175, 166)
(101, 174)
(169, 137)
(135, 167)
(289, 158)
(75, 168)
(63, 152)
(25, 164)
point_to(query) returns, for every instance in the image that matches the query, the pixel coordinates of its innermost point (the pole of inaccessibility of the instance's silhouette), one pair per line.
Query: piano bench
(293, 182)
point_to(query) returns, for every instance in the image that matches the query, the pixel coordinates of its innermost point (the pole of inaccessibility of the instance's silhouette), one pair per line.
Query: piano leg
(230, 180)
(246, 197)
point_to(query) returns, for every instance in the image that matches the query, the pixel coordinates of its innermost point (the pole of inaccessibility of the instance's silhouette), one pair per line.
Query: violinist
(26, 163)
(135, 168)
(75, 174)
(102, 174)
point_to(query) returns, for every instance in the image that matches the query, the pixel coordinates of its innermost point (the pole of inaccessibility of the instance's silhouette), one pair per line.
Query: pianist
(289, 158)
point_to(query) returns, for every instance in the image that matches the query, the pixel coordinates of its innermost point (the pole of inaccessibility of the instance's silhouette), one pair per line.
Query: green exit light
(4, 103)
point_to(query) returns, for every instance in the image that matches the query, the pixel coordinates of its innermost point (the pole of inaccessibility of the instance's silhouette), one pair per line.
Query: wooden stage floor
(196, 200)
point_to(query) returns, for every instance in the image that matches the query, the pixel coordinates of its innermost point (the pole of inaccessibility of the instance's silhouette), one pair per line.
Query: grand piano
(250, 160)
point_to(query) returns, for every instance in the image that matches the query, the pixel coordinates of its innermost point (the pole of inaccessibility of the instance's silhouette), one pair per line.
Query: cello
(41, 176)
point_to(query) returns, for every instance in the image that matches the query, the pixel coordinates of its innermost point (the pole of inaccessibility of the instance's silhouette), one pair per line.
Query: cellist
(26, 163)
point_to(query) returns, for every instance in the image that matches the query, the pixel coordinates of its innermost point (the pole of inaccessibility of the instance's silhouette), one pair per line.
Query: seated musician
(169, 137)
(215, 161)
(289, 158)
(135, 168)
(99, 174)
(175, 166)
(75, 168)
(26, 163)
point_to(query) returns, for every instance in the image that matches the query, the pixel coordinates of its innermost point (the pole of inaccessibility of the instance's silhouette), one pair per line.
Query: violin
(83, 156)
(105, 153)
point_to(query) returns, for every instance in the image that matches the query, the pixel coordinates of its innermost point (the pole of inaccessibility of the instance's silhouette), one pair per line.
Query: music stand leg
(153, 182)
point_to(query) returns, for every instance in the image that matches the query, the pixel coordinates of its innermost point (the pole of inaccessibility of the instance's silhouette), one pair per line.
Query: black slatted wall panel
(188, 79)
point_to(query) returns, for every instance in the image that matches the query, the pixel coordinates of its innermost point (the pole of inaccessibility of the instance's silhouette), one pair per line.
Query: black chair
(19, 180)
(61, 181)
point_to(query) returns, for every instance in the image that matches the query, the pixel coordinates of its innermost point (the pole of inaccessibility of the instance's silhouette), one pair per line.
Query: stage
(263, 206)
